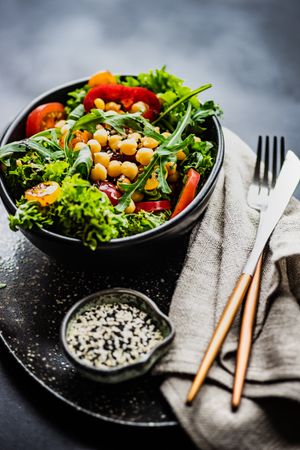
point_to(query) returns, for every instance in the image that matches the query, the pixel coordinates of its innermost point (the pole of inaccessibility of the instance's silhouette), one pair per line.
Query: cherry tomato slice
(45, 193)
(154, 206)
(44, 117)
(188, 192)
(110, 190)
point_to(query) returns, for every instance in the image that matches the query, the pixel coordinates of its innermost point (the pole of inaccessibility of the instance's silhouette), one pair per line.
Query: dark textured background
(249, 50)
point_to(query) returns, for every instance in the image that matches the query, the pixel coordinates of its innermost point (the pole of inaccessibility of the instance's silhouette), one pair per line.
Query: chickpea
(129, 169)
(102, 158)
(152, 183)
(114, 142)
(114, 168)
(173, 177)
(139, 107)
(130, 208)
(60, 123)
(135, 136)
(94, 146)
(149, 142)
(144, 155)
(166, 134)
(101, 136)
(180, 155)
(112, 106)
(79, 146)
(122, 180)
(65, 128)
(128, 146)
(197, 139)
(98, 173)
(171, 167)
(137, 196)
(99, 103)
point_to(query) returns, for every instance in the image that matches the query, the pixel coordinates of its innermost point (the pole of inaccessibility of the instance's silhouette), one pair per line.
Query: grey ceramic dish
(142, 365)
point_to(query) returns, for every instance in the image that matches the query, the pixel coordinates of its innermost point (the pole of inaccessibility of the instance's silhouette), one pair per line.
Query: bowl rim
(114, 371)
(135, 238)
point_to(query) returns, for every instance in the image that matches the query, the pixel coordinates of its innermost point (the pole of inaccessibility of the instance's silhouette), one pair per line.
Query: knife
(286, 184)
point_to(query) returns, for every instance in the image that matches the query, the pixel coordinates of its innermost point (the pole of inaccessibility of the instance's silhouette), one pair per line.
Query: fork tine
(274, 168)
(256, 175)
(265, 181)
(282, 152)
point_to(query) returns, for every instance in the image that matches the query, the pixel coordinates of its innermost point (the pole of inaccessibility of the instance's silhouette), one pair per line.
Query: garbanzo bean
(128, 146)
(79, 146)
(101, 136)
(99, 103)
(130, 208)
(144, 155)
(149, 142)
(139, 107)
(112, 106)
(180, 155)
(129, 169)
(114, 168)
(101, 158)
(94, 146)
(137, 196)
(152, 183)
(114, 142)
(122, 180)
(98, 173)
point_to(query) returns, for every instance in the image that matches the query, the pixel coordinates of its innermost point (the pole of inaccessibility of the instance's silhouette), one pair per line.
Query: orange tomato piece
(104, 77)
(81, 136)
(45, 193)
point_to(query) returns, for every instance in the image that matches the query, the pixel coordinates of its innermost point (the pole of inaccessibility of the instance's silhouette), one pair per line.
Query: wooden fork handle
(220, 333)
(245, 341)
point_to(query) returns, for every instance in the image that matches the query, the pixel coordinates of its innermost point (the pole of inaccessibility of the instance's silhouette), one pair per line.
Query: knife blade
(286, 184)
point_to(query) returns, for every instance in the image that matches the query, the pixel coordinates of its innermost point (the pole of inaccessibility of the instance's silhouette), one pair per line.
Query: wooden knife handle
(245, 341)
(220, 333)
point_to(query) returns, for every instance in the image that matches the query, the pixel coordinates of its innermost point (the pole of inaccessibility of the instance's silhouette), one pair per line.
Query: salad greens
(53, 159)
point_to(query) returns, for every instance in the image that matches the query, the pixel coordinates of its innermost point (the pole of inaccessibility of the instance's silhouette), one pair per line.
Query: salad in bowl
(120, 156)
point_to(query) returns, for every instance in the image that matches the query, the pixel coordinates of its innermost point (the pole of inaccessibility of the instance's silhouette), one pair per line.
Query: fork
(258, 196)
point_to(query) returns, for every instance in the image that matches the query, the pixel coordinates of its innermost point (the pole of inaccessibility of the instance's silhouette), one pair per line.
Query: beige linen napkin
(218, 250)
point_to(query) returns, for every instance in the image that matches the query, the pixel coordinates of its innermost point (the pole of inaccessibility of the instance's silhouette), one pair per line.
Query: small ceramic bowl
(141, 365)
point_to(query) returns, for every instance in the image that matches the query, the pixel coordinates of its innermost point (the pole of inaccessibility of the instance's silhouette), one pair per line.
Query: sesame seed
(114, 334)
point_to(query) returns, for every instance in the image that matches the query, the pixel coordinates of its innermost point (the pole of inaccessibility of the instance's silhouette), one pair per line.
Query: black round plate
(38, 293)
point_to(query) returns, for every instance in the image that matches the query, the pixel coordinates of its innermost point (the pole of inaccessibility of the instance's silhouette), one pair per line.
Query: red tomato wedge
(154, 206)
(188, 192)
(44, 117)
(126, 95)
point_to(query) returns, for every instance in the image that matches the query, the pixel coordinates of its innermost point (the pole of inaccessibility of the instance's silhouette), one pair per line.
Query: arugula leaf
(25, 146)
(205, 110)
(83, 163)
(167, 149)
(182, 100)
(118, 122)
(77, 112)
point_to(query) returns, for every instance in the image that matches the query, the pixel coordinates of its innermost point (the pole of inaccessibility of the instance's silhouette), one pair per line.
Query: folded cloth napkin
(269, 413)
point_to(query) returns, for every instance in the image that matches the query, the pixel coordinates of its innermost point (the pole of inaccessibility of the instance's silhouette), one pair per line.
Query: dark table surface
(249, 50)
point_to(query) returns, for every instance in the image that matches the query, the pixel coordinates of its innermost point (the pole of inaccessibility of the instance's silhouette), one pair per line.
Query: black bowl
(71, 250)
